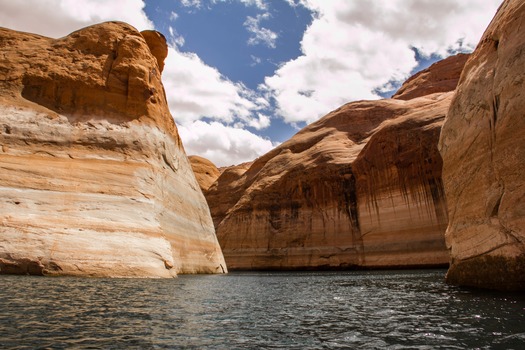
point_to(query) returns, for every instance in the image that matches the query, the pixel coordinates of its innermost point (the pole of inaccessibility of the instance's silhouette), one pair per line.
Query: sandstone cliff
(226, 191)
(94, 179)
(361, 187)
(442, 76)
(484, 159)
(205, 171)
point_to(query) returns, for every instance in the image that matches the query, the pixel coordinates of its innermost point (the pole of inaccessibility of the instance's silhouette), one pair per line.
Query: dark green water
(351, 310)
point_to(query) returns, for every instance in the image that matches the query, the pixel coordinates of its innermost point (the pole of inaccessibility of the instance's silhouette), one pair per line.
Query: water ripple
(371, 310)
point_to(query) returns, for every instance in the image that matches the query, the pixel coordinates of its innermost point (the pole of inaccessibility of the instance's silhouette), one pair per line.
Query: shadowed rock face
(94, 180)
(361, 187)
(442, 76)
(484, 159)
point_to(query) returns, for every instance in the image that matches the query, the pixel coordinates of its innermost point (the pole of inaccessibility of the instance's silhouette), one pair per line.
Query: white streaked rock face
(89, 194)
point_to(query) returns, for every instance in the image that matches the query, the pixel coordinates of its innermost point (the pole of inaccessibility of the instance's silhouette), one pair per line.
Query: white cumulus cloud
(260, 35)
(195, 90)
(260, 4)
(57, 18)
(221, 144)
(261, 122)
(354, 47)
(191, 3)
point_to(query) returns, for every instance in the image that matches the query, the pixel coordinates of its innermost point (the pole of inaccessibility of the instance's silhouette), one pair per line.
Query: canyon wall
(94, 180)
(361, 187)
(205, 171)
(401, 207)
(484, 159)
(442, 76)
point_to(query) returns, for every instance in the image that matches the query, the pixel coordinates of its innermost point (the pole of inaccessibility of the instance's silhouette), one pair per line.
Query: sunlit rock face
(442, 76)
(93, 177)
(226, 191)
(361, 187)
(484, 159)
(205, 171)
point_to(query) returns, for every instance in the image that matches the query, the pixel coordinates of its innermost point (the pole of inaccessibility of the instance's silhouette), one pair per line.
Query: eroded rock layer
(484, 159)
(361, 187)
(205, 171)
(442, 76)
(93, 178)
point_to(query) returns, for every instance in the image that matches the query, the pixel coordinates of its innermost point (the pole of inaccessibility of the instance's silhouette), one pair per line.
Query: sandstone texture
(226, 191)
(483, 148)
(360, 188)
(205, 171)
(93, 177)
(442, 76)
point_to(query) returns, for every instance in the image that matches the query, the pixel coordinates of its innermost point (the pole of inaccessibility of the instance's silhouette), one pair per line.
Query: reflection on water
(380, 309)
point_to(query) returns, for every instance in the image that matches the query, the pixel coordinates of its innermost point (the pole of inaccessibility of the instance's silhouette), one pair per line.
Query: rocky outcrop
(226, 191)
(94, 179)
(361, 187)
(157, 46)
(442, 76)
(484, 159)
(205, 171)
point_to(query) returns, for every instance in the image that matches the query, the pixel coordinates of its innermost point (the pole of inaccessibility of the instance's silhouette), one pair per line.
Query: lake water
(352, 310)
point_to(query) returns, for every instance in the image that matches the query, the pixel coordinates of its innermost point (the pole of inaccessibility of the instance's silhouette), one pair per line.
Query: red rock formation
(226, 191)
(205, 171)
(402, 208)
(157, 46)
(94, 178)
(359, 188)
(442, 76)
(484, 159)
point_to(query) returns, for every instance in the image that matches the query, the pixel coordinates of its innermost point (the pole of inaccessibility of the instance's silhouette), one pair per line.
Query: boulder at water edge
(94, 180)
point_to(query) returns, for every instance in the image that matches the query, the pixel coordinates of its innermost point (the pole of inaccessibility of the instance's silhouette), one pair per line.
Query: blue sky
(219, 34)
(244, 75)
